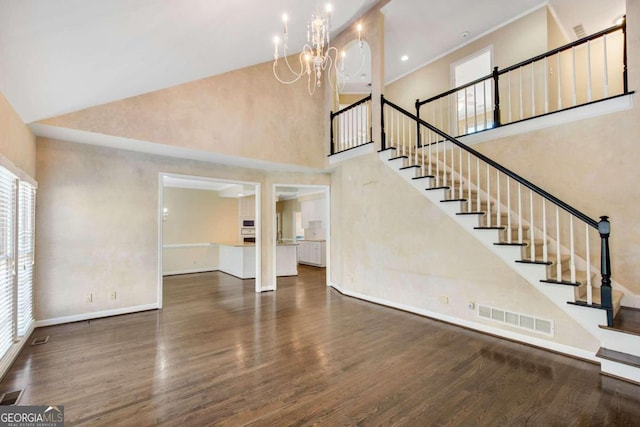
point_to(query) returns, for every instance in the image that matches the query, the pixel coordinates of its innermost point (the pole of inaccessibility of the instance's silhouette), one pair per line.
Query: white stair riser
(625, 343)
(620, 370)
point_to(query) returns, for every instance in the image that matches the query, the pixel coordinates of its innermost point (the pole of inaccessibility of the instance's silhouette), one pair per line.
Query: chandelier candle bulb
(360, 33)
(285, 19)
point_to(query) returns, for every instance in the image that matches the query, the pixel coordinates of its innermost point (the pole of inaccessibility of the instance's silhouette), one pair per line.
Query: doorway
(191, 240)
(301, 224)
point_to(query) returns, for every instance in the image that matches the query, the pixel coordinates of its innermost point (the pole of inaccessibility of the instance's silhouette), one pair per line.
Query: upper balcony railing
(351, 126)
(588, 70)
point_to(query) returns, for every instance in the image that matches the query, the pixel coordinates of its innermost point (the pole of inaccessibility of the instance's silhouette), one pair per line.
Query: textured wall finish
(17, 143)
(97, 221)
(245, 113)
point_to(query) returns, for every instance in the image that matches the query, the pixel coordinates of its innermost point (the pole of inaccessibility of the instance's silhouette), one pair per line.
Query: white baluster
(545, 248)
(589, 288)
(444, 163)
(422, 168)
(546, 85)
(558, 72)
(478, 184)
(488, 197)
(606, 67)
(429, 148)
(460, 174)
(572, 262)
(484, 103)
(573, 64)
(509, 234)
(404, 140)
(589, 71)
(519, 213)
(475, 109)
(558, 260)
(533, 90)
(466, 114)
(521, 101)
(532, 236)
(469, 200)
(509, 93)
(499, 213)
(435, 136)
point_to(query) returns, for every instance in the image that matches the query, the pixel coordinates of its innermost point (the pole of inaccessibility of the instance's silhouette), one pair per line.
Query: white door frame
(161, 175)
(326, 190)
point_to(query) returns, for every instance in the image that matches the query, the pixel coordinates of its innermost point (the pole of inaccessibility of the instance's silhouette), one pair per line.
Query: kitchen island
(239, 259)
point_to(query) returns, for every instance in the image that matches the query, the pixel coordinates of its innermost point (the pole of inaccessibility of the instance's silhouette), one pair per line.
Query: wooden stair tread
(619, 357)
(627, 320)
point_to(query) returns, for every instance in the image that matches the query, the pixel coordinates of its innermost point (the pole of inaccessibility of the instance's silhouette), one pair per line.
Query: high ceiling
(59, 56)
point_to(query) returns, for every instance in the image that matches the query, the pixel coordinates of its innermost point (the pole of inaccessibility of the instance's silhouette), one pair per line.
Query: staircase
(560, 251)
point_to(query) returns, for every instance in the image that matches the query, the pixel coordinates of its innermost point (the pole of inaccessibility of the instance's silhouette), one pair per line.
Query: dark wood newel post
(496, 98)
(418, 141)
(382, 136)
(332, 149)
(604, 228)
(625, 77)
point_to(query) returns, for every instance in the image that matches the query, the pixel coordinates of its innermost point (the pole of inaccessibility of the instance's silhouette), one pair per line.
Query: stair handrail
(496, 73)
(603, 226)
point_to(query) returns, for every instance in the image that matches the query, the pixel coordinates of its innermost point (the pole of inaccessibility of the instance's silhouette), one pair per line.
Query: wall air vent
(579, 31)
(40, 340)
(517, 320)
(10, 398)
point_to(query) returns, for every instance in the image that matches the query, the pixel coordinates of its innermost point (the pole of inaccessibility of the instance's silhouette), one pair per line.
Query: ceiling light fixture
(619, 20)
(317, 54)
(465, 34)
(404, 58)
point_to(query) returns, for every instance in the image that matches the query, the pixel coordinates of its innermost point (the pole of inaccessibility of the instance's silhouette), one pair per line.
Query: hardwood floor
(220, 354)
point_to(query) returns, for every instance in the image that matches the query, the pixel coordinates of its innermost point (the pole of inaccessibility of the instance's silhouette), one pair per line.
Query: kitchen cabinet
(312, 210)
(248, 207)
(312, 253)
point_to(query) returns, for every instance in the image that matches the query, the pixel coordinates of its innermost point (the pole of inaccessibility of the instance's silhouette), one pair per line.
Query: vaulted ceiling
(60, 56)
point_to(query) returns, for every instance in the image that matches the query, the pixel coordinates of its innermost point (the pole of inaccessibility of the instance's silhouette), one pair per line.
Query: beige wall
(199, 216)
(245, 113)
(97, 221)
(17, 143)
(555, 37)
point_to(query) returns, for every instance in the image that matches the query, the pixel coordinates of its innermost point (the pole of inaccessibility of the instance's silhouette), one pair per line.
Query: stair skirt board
(541, 343)
(536, 273)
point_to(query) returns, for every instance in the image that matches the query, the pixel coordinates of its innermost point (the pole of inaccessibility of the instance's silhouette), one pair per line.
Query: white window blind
(26, 228)
(7, 241)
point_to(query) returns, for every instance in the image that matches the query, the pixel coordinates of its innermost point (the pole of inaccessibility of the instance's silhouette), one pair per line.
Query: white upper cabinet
(312, 210)
(247, 207)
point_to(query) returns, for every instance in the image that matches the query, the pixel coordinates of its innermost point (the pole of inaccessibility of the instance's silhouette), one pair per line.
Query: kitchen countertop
(308, 240)
(245, 245)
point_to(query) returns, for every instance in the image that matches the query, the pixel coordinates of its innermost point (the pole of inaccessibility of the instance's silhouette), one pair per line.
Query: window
(474, 103)
(7, 257)
(17, 226)
(26, 227)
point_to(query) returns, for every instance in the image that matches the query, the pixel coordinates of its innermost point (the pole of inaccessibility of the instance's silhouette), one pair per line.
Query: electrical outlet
(443, 299)
(90, 297)
(113, 294)
(472, 305)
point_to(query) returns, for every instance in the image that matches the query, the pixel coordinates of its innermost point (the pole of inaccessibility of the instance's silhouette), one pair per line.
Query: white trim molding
(187, 245)
(12, 354)
(190, 271)
(95, 315)
(514, 336)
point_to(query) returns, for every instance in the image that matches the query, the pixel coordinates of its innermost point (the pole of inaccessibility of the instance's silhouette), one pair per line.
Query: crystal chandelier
(317, 54)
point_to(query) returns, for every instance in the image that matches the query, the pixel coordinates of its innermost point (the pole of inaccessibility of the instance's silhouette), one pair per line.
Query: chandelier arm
(275, 73)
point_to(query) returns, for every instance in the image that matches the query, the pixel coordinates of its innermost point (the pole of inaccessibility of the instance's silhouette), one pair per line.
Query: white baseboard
(14, 351)
(190, 271)
(95, 315)
(537, 342)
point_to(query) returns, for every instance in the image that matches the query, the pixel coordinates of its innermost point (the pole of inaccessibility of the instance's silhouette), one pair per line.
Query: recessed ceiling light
(404, 58)
(465, 34)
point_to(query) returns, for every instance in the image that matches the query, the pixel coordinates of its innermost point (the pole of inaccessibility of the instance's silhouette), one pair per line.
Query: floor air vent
(40, 340)
(517, 320)
(10, 398)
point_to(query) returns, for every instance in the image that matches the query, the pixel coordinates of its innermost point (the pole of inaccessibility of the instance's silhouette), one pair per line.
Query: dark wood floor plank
(219, 354)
